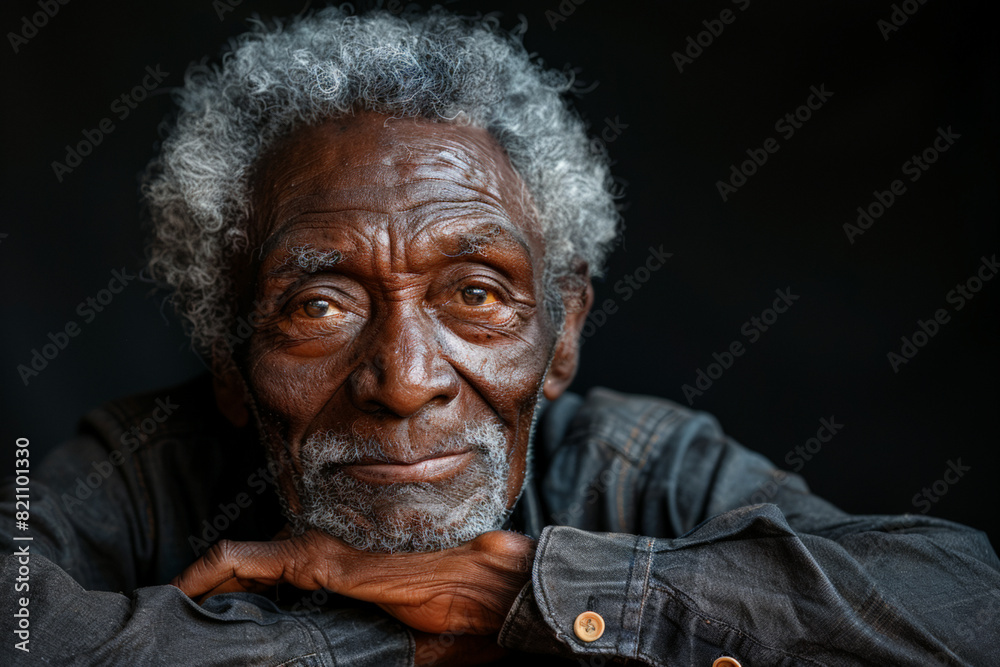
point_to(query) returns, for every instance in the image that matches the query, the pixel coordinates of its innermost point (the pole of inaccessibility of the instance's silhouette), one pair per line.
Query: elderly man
(381, 231)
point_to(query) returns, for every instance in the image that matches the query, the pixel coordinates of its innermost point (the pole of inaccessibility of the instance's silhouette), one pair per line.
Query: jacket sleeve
(106, 621)
(789, 581)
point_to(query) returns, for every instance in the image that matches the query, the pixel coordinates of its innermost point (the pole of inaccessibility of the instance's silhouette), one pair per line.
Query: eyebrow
(307, 258)
(474, 241)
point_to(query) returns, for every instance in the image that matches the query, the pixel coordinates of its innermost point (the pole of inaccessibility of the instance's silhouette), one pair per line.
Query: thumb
(261, 562)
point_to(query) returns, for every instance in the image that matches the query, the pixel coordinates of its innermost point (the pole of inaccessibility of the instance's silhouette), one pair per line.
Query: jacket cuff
(575, 572)
(525, 629)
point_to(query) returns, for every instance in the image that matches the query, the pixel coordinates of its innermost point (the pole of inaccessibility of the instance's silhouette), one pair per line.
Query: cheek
(508, 372)
(291, 387)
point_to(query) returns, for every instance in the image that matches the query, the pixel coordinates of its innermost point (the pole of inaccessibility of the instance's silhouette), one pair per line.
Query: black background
(679, 134)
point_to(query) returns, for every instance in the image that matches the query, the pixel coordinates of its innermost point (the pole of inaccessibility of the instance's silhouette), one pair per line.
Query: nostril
(401, 389)
(401, 368)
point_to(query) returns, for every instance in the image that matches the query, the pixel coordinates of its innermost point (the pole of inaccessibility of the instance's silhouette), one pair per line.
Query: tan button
(589, 626)
(726, 661)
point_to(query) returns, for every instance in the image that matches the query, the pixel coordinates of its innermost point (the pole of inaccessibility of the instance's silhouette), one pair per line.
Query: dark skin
(428, 316)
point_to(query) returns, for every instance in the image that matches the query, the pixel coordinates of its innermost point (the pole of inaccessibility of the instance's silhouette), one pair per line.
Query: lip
(431, 469)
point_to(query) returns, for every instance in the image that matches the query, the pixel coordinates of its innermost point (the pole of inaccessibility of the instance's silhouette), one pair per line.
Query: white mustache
(332, 448)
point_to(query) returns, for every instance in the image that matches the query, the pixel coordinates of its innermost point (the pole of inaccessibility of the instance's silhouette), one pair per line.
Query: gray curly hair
(435, 65)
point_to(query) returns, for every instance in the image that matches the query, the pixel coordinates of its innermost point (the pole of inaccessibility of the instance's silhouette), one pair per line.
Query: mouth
(426, 470)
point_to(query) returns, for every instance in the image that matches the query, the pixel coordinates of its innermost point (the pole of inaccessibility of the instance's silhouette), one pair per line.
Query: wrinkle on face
(388, 223)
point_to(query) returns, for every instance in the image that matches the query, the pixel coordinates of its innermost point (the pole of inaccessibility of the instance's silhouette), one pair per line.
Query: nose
(404, 368)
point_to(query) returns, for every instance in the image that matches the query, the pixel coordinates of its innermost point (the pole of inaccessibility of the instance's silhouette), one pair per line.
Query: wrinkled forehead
(374, 163)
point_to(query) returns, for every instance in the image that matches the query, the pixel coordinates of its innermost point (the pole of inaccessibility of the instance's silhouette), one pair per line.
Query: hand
(465, 590)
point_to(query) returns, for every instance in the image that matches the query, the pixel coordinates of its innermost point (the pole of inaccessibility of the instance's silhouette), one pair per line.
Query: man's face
(404, 339)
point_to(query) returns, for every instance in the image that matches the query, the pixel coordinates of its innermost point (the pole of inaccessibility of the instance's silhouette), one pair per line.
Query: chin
(406, 516)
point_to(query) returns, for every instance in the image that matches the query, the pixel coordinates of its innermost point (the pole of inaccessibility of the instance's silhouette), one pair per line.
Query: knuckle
(221, 552)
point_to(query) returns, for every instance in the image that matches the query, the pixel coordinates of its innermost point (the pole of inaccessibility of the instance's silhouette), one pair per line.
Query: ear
(567, 355)
(230, 390)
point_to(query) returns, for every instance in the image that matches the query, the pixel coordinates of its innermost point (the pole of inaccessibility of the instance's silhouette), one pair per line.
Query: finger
(494, 565)
(226, 560)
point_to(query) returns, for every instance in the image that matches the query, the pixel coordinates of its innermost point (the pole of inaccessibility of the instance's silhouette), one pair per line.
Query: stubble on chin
(402, 517)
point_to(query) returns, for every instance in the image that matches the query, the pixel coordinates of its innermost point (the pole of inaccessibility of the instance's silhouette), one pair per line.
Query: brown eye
(318, 308)
(476, 296)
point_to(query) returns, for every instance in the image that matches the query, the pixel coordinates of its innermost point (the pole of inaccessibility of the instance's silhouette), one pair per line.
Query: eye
(475, 296)
(318, 309)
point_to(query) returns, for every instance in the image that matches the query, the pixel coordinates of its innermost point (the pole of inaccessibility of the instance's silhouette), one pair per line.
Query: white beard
(415, 516)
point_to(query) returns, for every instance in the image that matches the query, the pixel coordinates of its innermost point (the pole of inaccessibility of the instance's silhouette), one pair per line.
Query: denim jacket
(688, 546)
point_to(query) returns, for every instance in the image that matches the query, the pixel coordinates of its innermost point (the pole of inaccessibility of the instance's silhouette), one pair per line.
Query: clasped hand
(467, 590)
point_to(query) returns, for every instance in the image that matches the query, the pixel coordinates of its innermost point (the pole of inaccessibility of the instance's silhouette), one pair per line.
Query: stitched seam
(546, 611)
(625, 469)
(668, 420)
(295, 660)
(645, 585)
(628, 587)
(661, 425)
(315, 635)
